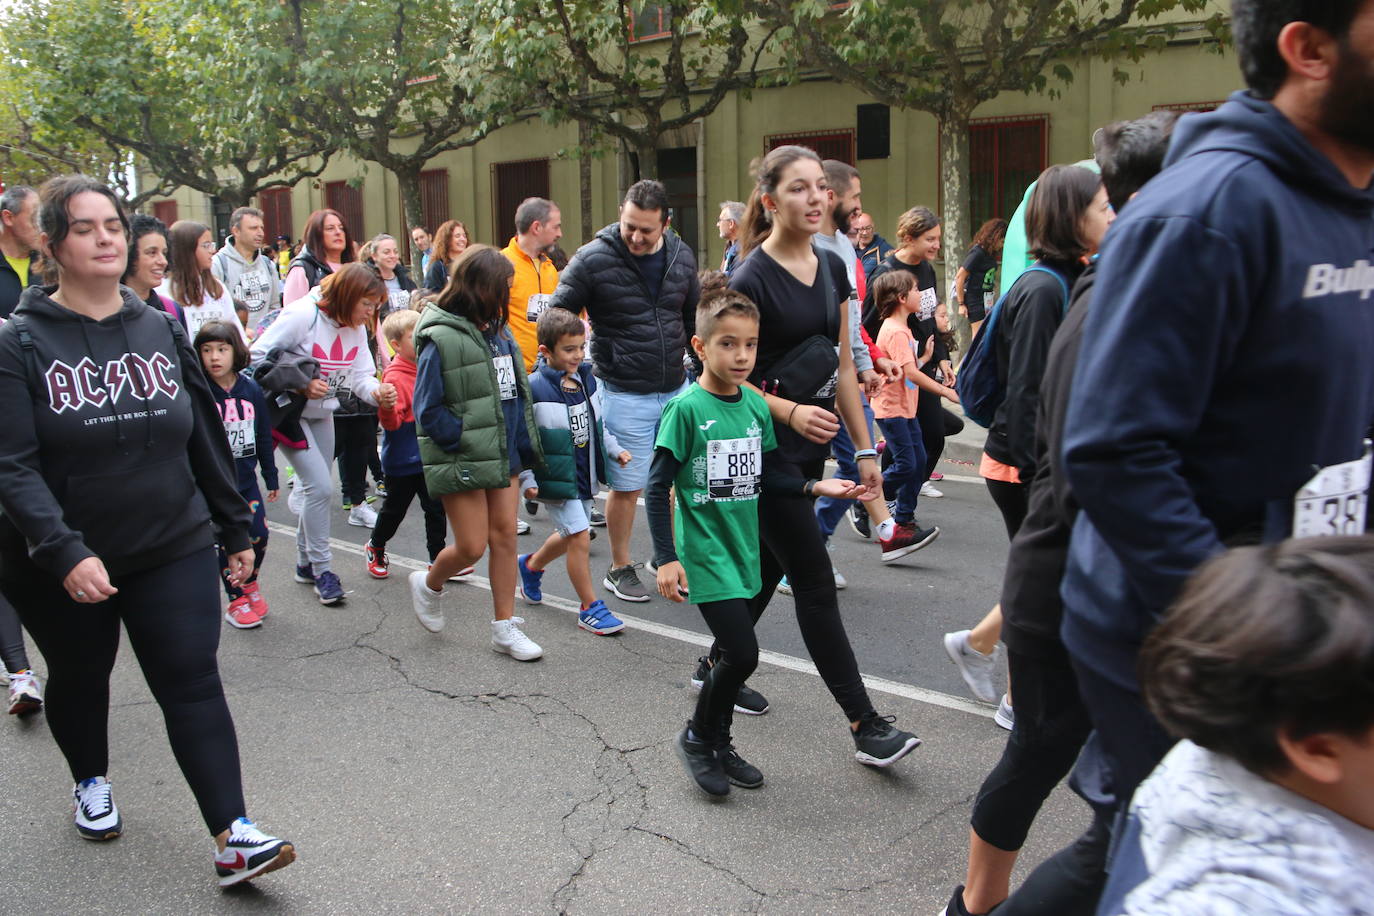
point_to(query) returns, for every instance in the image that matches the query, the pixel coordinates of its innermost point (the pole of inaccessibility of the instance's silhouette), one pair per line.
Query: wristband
(866, 453)
(789, 415)
(809, 487)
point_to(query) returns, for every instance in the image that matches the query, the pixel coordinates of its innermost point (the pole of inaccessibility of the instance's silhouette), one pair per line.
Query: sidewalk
(428, 772)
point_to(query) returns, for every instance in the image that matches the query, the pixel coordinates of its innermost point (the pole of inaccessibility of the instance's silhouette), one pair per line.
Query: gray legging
(314, 471)
(12, 652)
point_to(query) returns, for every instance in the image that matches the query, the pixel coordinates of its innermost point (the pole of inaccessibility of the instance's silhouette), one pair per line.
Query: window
(512, 182)
(433, 199)
(276, 213)
(166, 210)
(348, 201)
(650, 22)
(1187, 106)
(828, 144)
(1005, 156)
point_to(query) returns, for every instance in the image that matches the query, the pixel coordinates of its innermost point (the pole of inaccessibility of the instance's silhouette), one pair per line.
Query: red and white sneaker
(936, 475)
(255, 599)
(377, 566)
(241, 616)
(249, 852)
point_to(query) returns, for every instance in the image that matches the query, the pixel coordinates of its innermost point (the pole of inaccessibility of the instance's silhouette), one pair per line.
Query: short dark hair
(718, 301)
(556, 323)
(1062, 195)
(53, 219)
(237, 216)
(1255, 28)
(647, 194)
(1268, 640)
(839, 175)
(14, 197)
(478, 287)
(1130, 153)
(225, 333)
(141, 224)
(889, 288)
(532, 210)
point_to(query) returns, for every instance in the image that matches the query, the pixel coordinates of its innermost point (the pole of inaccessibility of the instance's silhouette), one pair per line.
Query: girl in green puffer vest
(476, 431)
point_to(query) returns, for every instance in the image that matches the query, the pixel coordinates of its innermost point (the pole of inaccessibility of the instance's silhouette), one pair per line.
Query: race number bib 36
(579, 423)
(1335, 500)
(537, 304)
(242, 438)
(733, 468)
(505, 376)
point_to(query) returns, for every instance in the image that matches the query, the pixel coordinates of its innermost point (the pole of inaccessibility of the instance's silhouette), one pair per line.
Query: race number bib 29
(1335, 500)
(505, 375)
(579, 423)
(537, 304)
(733, 468)
(242, 438)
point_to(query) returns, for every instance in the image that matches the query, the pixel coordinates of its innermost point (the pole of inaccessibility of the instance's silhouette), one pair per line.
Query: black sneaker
(597, 519)
(739, 771)
(858, 520)
(702, 764)
(748, 700)
(878, 744)
(956, 904)
(531, 506)
(623, 581)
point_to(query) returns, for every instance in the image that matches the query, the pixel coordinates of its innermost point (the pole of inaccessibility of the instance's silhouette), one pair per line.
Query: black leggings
(355, 446)
(791, 545)
(1013, 500)
(12, 653)
(401, 489)
(735, 658)
(930, 410)
(172, 614)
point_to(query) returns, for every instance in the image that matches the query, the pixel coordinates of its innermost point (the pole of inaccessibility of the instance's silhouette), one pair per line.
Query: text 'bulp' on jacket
(558, 478)
(470, 394)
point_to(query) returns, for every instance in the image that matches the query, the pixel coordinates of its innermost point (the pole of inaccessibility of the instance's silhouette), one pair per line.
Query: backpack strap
(31, 373)
(832, 325)
(1063, 284)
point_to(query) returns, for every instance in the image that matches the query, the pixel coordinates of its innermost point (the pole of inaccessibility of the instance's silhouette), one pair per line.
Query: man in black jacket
(19, 243)
(637, 283)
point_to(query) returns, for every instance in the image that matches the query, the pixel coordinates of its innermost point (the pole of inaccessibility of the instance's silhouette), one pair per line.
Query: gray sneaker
(977, 669)
(623, 581)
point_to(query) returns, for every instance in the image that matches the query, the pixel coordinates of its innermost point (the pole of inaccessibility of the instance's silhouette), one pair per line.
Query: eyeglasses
(208, 246)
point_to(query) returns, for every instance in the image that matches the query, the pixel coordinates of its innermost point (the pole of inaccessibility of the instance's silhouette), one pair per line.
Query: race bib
(733, 468)
(928, 302)
(338, 384)
(833, 383)
(242, 438)
(505, 375)
(538, 303)
(579, 422)
(987, 302)
(195, 320)
(1335, 500)
(398, 300)
(252, 290)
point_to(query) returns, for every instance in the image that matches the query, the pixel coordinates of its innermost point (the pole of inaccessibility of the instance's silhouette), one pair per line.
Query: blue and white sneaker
(305, 575)
(329, 588)
(597, 618)
(249, 852)
(530, 587)
(96, 816)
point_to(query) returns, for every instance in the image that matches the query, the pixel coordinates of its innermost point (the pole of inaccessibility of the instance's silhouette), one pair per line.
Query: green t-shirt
(20, 267)
(720, 445)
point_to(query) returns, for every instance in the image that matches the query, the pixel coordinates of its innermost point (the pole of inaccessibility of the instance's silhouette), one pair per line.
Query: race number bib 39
(1335, 500)
(733, 468)
(242, 438)
(505, 375)
(928, 302)
(579, 423)
(537, 304)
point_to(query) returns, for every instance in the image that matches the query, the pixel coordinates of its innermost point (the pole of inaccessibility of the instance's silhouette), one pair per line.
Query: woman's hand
(815, 424)
(272, 495)
(240, 567)
(888, 368)
(88, 582)
(317, 389)
(871, 381)
(672, 581)
(838, 488)
(963, 310)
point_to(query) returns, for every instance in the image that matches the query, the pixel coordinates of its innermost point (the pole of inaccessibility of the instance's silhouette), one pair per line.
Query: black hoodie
(110, 449)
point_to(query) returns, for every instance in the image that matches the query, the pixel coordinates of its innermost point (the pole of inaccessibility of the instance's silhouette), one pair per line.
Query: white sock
(886, 528)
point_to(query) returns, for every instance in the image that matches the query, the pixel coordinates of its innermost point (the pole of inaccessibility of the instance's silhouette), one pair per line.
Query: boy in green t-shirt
(710, 449)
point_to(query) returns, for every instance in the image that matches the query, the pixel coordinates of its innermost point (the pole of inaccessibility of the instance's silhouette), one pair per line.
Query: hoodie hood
(1243, 120)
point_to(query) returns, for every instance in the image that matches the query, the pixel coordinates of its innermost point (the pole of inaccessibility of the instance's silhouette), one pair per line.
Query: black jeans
(791, 545)
(1013, 501)
(172, 615)
(735, 658)
(355, 447)
(12, 653)
(401, 489)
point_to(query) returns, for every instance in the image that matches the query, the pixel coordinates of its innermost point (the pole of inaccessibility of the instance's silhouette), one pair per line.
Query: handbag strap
(832, 324)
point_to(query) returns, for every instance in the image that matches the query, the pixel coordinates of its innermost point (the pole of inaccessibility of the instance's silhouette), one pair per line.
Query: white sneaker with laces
(429, 604)
(975, 667)
(928, 489)
(522, 526)
(249, 852)
(96, 816)
(26, 693)
(362, 516)
(507, 637)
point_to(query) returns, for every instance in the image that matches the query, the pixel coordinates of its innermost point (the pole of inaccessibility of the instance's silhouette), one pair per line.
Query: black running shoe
(748, 700)
(702, 764)
(878, 744)
(531, 506)
(858, 520)
(739, 771)
(956, 904)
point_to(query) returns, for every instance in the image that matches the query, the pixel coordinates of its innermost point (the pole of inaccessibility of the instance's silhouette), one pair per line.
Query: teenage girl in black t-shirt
(780, 271)
(974, 282)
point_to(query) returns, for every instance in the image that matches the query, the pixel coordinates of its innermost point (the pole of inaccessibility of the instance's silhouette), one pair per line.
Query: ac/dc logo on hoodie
(89, 384)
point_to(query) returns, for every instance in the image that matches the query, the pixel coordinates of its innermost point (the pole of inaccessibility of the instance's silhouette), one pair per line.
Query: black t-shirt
(789, 313)
(651, 267)
(981, 281)
(922, 324)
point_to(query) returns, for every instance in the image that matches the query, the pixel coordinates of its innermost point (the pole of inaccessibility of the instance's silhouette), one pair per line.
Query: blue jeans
(830, 511)
(903, 480)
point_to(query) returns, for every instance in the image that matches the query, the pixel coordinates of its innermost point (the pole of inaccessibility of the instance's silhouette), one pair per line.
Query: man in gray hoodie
(249, 275)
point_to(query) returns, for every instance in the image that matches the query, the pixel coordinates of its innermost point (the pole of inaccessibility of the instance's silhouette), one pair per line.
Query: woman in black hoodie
(114, 476)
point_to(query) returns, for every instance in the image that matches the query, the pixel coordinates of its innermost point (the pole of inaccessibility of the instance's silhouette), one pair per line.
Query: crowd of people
(1197, 284)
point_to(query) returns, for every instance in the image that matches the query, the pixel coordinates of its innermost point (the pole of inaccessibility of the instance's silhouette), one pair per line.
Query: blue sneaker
(530, 581)
(598, 619)
(305, 575)
(329, 588)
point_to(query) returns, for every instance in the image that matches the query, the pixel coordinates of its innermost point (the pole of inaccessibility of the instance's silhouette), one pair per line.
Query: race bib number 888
(733, 468)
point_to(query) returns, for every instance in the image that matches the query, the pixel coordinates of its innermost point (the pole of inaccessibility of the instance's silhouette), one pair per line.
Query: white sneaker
(429, 604)
(362, 516)
(976, 668)
(96, 816)
(1004, 715)
(507, 637)
(928, 489)
(522, 526)
(295, 500)
(840, 580)
(249, 853)
(26, 692)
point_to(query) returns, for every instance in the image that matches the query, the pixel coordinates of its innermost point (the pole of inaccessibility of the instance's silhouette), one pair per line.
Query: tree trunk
(647, 151)
(584, 181)
(954, 153)
(408, 177)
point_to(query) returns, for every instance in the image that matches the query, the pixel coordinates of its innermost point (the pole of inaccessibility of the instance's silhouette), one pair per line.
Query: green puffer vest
(470, 394)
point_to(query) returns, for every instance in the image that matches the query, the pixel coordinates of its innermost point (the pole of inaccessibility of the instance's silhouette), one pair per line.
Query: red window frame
(275, 204)
(829, 144)
(994, 140)
(511, 183)
(348, 202)
(660, 16)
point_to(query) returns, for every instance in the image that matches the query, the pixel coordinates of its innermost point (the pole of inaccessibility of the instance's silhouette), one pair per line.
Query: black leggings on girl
(736, 656)
(172, 614)
(12, 653)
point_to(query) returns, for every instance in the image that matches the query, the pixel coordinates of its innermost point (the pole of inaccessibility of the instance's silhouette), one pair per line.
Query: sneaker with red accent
(936, 475)
(377, 566)
(241, 616)
(249, 852)
(906, 539)
(255, 599)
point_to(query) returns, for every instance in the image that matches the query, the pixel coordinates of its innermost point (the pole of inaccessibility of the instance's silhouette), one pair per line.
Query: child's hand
(929, 350)
(672, 581)
(839, 488)
(950, 394)
(386, 395)
(272, 495)
(623, 459)
(531, 492)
